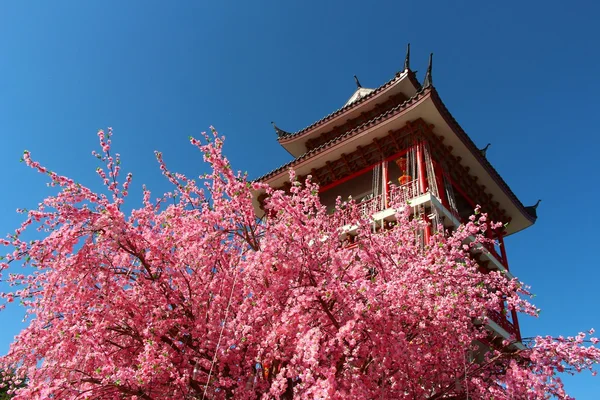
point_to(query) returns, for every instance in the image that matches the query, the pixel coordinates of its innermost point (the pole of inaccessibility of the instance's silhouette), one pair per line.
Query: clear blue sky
(521, 76)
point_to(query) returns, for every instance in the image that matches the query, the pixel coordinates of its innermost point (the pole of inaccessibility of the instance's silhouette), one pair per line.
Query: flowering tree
(198, 299)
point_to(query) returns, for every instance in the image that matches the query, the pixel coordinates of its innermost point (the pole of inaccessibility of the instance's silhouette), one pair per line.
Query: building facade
(399, 142)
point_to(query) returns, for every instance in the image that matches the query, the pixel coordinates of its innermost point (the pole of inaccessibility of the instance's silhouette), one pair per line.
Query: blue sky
(522, 76)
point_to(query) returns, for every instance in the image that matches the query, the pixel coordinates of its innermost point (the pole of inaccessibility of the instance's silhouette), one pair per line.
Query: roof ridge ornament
(484, 150)
(280, 132)
(536, 205)
(358, 85)
(428, 81)
(407, 58)
(532, 210)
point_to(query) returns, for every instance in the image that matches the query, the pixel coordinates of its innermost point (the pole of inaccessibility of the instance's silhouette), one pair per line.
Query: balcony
(496, 318)
(373, 206)
(501, 325)
(378, 210)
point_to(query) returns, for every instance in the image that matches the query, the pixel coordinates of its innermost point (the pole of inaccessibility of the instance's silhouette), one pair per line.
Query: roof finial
(358, 85)
(280, 132)
(428, 81)
(484, 150)
(407, 58)
(532, 210)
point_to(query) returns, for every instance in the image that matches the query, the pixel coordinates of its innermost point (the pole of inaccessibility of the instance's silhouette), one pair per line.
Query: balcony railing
(371, 206)
(403, 193)
(400, 195)
(396, 195)
(502, 321)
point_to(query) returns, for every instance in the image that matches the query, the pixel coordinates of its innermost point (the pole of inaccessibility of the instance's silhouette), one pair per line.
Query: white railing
(396, 195)
(371, 206)
(403, 193)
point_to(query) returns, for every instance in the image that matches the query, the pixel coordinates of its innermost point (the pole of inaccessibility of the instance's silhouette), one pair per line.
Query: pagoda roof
(436, 112)
(528, 212)
(360, 97)
(348, 134)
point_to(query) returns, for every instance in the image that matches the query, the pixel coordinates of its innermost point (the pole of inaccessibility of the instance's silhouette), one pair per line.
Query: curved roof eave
(422, 94)
(314, 152)
(468, 142)
(400, 76)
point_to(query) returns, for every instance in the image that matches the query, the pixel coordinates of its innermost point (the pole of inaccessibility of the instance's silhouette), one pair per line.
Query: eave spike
(428, 81)
(280, 132)
(484, 150)
(407, 58)
(532, 210)
(358, 85)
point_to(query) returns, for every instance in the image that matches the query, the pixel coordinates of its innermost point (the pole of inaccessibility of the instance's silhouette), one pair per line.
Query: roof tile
(350, 106)
(345, 135)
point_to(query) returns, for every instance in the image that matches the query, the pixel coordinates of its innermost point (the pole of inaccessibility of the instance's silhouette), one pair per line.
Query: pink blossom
(199, 298)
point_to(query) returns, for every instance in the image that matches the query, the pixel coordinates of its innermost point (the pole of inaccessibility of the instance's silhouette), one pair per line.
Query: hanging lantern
(404, 179)
(401, 163)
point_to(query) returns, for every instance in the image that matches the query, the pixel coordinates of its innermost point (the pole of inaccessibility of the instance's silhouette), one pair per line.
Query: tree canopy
(191, 296)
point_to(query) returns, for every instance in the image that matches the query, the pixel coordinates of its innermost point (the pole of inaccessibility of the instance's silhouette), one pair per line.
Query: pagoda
(399, 142)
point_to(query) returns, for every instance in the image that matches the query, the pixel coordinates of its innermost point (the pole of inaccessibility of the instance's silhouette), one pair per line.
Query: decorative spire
(407, 58)
(428, 81)
(532, 210)
(358, 85)
(484, 150)
(280, 132)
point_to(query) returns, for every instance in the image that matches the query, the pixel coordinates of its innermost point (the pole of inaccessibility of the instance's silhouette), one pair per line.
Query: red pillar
(513, 313)
(421, 168)
(422, 177)
(439, 177)
(427, 230)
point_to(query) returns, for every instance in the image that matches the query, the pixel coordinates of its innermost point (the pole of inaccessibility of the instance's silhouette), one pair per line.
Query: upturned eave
(425, 104)
(403, 82)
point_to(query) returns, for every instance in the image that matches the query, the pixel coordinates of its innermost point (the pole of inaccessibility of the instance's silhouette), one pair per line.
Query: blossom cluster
(199, 298)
